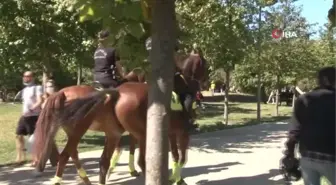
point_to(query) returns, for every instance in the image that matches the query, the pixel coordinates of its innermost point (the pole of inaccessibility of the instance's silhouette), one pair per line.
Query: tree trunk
(294, 98)
(3, 95)
(161, 86)
(259, 97)
(330, 39)
(259, 72)
(226, 97)
(44, 80)
(79, 73)
(47, 68)
(277, 97)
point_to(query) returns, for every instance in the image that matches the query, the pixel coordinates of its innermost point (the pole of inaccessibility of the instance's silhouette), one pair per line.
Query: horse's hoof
(83, 181)
(37, 174)
(135, 173)
(171, 182)
(181, 182)
(86, 181)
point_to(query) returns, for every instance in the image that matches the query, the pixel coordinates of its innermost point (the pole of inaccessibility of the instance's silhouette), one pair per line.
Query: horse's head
(193, 66)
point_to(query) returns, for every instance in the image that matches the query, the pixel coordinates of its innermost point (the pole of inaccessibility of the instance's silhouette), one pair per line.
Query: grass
(240, 114)
(9, 115)
(209, 120)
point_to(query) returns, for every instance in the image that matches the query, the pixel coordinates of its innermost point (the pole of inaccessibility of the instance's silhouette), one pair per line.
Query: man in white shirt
(32, 100)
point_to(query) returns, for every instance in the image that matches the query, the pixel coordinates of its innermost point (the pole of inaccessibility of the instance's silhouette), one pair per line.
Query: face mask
(27, 83)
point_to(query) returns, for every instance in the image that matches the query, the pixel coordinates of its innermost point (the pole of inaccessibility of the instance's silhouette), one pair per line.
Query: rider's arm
(120, 70)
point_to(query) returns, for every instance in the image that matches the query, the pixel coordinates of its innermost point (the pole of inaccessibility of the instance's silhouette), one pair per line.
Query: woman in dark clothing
(107, 68)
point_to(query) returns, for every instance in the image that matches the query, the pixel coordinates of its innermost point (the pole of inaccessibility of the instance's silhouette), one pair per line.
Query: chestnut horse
(136, 75)
(193, 68)
(124, 109)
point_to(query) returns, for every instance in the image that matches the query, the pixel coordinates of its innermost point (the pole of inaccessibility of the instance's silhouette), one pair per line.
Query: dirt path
(241, 156)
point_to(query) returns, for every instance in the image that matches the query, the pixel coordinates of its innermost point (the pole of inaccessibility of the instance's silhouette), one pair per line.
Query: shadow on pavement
(199, 170)
(263, 179)
(247, 138)
(10, 175)
(70, 174)
(239, 140)
(187, 172)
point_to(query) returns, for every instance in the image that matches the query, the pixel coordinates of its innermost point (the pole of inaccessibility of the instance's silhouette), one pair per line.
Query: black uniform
(186, 96)
(313, 125)
(313, 129)
(105, 67)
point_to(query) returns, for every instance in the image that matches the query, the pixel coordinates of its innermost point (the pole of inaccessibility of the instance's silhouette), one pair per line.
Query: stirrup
(98, 86)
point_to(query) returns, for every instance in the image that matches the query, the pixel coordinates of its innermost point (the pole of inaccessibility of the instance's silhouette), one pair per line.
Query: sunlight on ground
(210, 119)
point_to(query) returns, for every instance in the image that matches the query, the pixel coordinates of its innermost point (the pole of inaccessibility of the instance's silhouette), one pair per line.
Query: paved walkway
(241, 156)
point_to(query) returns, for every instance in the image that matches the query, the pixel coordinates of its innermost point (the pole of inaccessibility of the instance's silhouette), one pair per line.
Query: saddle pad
(175, 103)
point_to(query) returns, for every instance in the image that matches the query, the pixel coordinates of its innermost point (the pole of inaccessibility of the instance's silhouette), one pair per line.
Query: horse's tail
(46, 129)
(77, 109)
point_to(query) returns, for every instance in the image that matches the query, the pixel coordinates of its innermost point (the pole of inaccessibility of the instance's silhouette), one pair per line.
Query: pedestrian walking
(313, 129)
(31, 97)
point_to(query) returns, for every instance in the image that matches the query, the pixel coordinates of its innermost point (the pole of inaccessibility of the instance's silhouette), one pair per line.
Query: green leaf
(86, 13)
(132, 11)
(82, 18)
(136, 29)
(267, 2)
(90, 11)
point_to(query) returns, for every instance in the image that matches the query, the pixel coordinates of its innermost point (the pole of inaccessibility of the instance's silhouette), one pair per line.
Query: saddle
(99, 87)
(175, 103)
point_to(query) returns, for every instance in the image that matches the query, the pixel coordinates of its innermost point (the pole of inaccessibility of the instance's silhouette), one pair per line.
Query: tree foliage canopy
(58, 37)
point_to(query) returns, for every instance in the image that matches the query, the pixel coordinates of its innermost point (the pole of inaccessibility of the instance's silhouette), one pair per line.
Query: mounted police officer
(313, 128)
(184, 91)
(107, 69)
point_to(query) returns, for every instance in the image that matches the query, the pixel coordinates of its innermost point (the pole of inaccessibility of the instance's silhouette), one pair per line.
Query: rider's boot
(188, 122)
(190, 125)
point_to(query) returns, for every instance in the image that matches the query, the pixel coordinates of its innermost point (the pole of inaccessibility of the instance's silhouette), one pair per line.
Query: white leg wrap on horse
(82, 173)
(178, 172)
(114, 160)
(172, 176)
(131, 163)
(56, 180)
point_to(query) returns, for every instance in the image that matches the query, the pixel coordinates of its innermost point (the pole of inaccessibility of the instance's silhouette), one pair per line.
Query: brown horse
(111, 111)
(134, 76)
(193, 68)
